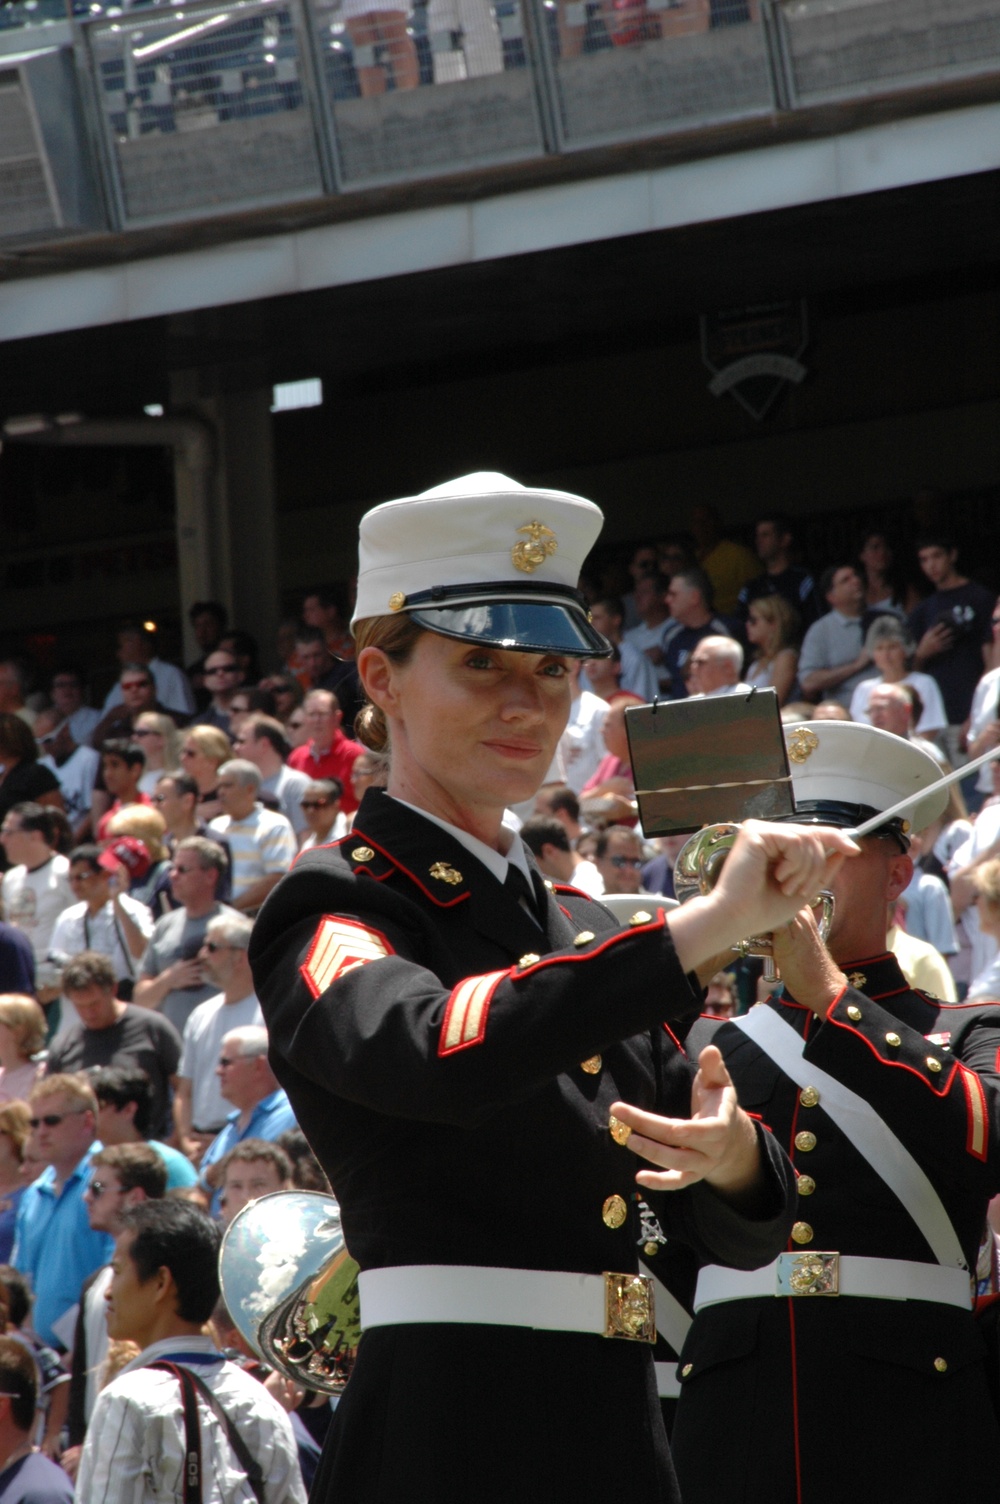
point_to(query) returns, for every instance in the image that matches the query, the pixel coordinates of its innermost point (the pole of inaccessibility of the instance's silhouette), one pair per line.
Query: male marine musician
(853, 1367)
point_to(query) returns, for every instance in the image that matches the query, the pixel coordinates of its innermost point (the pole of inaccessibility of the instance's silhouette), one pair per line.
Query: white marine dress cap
(484, 559)
(844, 772)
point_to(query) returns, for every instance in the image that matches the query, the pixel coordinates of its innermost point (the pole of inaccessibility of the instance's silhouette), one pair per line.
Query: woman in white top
(160, 740)
(892, 649)
(772, 629)
(986, 881)
(984, 718)
(22, 1035)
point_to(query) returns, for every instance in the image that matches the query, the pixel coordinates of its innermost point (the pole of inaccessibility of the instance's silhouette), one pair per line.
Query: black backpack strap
(191, 1385)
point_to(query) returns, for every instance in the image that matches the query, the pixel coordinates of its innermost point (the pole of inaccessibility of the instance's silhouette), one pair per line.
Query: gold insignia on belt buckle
(629, 1310)
(812, 1273)
(802, 744)
(527, 556)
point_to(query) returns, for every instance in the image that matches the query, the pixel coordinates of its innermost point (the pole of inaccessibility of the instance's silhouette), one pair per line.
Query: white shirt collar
(168, 1345)
(494, 861)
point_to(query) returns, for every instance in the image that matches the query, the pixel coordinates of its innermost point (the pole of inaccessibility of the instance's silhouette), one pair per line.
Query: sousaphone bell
(291, 1287)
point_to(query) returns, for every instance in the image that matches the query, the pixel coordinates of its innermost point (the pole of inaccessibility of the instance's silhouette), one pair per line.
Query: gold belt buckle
(812, 1273)
(629, 1308)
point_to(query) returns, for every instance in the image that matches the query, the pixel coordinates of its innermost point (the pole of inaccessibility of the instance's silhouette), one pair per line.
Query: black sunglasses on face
(53, 1119)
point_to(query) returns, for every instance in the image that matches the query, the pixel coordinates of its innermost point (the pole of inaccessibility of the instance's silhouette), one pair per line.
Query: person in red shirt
(328, 753)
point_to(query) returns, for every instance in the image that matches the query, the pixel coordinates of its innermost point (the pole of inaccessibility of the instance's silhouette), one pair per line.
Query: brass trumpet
(697, 870)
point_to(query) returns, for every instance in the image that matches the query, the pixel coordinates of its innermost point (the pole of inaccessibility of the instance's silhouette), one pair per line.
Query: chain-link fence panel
(624, 69)
(427, 89)
(206, 110)
(843, 49)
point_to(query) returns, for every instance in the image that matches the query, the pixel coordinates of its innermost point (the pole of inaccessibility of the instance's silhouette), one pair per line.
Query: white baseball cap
(486, 559)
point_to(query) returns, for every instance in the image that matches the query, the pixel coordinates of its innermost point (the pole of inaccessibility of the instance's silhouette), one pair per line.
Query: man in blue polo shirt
(53, 1241)
(261, 1108)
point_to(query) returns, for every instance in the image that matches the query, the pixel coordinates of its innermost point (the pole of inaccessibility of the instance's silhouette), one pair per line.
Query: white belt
(605, 1305)
(813, 1275)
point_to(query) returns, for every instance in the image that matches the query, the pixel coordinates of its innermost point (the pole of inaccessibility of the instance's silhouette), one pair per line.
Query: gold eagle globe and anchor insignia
(802, 744)
(531, 552)
(442, 873)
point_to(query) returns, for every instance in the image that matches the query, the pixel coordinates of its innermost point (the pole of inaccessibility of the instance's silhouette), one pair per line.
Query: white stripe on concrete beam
(924, 149)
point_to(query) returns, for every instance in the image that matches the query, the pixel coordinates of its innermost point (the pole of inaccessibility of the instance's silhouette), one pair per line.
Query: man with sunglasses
(223, 677)
(200, 1109)
(619, 860)
(172, 977)
(54, 1244)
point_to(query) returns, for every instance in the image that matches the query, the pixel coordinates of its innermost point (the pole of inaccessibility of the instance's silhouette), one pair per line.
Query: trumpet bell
(697, 870)
(291, 1287)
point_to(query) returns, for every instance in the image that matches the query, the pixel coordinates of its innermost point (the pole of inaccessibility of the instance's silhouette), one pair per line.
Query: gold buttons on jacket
(529, 959)
(362, 854)
(686, 1370)
(893, 1039)
(805, 1141)
(941, 1364)
(584, 937)
(641, 917)
(809, 1096)
(591, 1065)
(933, 1063)
(614, 1212)
(854, 1014)
(649, 1249)
(802, 1232)
(806, 1185)
(620, 1132)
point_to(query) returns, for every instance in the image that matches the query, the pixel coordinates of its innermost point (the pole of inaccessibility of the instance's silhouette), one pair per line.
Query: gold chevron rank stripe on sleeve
(975, 1100)
(466, 1012)
(338, 946)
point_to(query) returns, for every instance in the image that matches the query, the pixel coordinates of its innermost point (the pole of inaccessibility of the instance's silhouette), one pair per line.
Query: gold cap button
(529, 959)
(397, 601)
(854, 1014)
(941, 1364)
(584, 937)
(802, 1232)
(620, 1132)
(641, 917)
(362, 854)
(686, 1370)
(613, 1212)
(649, 1249)
(809, 1097)
(591, 1065)
(933, 1063)
(806, 1185)
(805, 1141)
(893, 1039)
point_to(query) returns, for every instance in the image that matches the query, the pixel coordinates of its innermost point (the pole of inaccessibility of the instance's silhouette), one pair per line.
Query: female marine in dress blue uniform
(459, 1040)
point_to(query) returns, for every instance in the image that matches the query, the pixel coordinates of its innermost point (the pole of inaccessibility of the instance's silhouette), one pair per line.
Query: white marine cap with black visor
(487, 560)
(845, 773)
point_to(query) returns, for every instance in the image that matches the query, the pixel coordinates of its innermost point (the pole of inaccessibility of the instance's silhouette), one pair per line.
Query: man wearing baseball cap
(854, 1359)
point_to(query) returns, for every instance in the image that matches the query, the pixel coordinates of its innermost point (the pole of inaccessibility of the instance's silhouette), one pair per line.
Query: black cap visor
(845, 817)
(522, 626)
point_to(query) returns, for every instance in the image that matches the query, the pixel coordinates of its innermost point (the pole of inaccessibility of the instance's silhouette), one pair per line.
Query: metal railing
(206, 108)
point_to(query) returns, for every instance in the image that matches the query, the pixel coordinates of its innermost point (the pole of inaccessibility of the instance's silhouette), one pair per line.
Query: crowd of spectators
(140, 836)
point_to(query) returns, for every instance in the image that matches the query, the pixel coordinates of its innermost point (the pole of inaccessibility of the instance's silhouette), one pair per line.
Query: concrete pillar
(226, 534)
